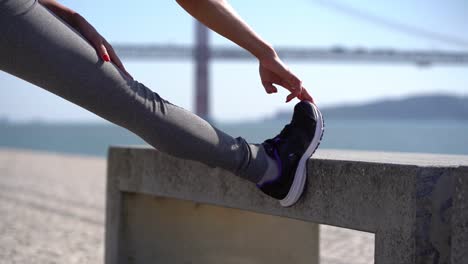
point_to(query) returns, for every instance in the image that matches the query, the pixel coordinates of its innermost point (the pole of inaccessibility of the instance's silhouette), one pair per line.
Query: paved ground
(52, 211)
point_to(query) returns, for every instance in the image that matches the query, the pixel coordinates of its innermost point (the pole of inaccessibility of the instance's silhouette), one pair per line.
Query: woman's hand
(102, 47)
(221, 17)
(100, 44)
(273, 71)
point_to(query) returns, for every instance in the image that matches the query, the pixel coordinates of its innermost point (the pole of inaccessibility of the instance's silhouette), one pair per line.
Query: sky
(236, 91)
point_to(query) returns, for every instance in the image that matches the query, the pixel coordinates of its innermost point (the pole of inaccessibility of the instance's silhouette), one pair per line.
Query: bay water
(423, 136)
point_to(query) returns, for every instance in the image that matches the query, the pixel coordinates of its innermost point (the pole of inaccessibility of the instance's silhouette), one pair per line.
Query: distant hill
(422, 107)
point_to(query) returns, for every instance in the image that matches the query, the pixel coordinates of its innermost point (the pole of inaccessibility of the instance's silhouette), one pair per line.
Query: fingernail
(106, 57)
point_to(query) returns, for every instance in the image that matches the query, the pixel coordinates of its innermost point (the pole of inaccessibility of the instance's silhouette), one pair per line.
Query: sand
(52, 209)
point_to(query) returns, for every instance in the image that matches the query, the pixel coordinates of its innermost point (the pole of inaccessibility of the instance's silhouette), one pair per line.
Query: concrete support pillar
(415, 204)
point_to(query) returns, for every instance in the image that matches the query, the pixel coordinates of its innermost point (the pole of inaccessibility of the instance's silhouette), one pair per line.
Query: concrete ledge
(415, 204)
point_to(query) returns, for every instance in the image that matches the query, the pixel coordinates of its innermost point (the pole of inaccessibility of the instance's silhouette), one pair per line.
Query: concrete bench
(161, 209)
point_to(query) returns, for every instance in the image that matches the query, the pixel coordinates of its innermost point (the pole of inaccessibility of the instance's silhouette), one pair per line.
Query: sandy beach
(52, 209)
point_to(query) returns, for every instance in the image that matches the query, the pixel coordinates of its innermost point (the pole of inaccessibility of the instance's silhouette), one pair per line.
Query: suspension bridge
(202, 53)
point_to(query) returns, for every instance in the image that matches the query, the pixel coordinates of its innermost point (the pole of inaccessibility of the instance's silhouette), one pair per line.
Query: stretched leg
(38, 47)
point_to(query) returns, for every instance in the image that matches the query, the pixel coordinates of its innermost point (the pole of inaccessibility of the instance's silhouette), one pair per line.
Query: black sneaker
(291, 149)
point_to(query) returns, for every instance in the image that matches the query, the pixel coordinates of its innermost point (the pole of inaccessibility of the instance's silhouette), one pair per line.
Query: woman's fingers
(289, 80)
(98, 43)
(107, 53)
(306, 96)
(293, 88)
(292, 95)
(269, 87)
(294, 82)
(116, 60)
(102, 51)
(274, 72)
(291, 83)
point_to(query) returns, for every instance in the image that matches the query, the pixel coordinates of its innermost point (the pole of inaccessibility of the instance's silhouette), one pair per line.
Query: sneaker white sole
(300, 176)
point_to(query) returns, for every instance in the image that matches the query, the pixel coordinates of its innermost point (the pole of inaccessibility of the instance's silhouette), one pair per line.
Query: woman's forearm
(220, 17)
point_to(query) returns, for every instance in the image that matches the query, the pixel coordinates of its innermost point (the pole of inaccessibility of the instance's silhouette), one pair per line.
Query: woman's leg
(38, 47)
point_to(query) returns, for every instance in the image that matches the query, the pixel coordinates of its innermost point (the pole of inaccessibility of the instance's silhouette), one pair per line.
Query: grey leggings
(38, 47)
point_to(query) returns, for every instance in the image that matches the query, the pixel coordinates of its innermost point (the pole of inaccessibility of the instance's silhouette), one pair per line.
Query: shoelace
(275, 142)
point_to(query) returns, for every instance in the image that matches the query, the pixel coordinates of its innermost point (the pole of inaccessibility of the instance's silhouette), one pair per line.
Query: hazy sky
(236, 89)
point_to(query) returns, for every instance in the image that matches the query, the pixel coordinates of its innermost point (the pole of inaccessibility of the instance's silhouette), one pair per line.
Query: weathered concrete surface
(52, 210)
(406, 200)
(149, 228)
(399, 158)
(460, 218)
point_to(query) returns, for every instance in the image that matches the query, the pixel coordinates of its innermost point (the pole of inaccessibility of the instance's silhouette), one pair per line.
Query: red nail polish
(106, 57)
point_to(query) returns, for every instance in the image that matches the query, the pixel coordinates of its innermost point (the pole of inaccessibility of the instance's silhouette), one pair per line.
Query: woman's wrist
(264, 52)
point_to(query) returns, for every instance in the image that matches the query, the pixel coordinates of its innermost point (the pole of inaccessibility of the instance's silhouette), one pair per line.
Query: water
(447, 137)
(425, 136)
